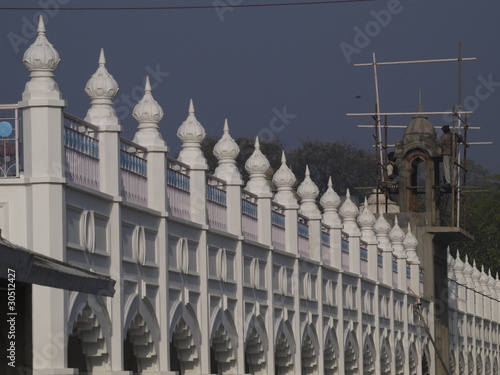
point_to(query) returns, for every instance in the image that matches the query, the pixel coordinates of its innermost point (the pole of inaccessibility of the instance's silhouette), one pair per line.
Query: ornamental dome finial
(102, 85)
(102, 89)
(382, 228)
(147, 111)
(348, 210)
(366, 219)
(308, 191)
(330, 202)
(226, 150)
(397, 236)
(410, 243)
(191, 133)
(148, 114)
(257, 166)
(41, 56)
(284, 179)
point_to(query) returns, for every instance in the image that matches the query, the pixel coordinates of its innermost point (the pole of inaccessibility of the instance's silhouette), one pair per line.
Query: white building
(213, 276)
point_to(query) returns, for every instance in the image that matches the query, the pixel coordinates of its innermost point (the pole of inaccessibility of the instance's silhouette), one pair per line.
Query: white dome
(226, 147)
(257, 163)
(191, 130)
(147, 110)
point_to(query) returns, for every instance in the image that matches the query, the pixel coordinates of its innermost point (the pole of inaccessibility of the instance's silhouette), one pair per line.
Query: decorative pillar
(308, 191)
(410, 244)
(43, 129)
(349, 211)
(284, 179)
(382, 229)
(397, 236)
(191, 133)
(148, 114)
(257, 166)
(330, 201)
(226, 150)
(366, 220)
(102, 89)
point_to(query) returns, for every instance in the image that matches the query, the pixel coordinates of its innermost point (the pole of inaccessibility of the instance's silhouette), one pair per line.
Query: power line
(194, 6)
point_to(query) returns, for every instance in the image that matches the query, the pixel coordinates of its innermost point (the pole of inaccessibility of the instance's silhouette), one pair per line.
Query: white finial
(257, 165)
(102, 58)
(366, 220)
(330, 202)
(397, 236)
(284, 179)
(191, 133)
(148, 114)
(41, 25)
(102, 89)
(349, 211)
(308, 191)
(410, 243)
(226, 150)
(41, 56)
(147, 86)
(257, 144)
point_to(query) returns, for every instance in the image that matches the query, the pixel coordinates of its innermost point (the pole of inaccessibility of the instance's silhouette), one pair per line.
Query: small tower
(420, 156)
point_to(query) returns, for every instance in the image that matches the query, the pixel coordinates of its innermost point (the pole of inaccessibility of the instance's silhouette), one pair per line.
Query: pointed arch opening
(369, 356)
(413, 359)
(461, 364)
(351, 354)
(479, 365)
(470, 364)
(87, 348)
(331, 353)
(399, 358)
(184, 337)
(425, 362)
(309, 351)
(223, 344)
(139, 349)
(256, 346)
(385, 357)
(284, 349)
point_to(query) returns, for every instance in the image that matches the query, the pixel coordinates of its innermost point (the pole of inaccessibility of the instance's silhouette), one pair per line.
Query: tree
(481, 218)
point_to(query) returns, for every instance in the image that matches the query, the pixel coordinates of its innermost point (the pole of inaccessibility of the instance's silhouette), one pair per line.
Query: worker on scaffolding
(391, 168)
(448, 143)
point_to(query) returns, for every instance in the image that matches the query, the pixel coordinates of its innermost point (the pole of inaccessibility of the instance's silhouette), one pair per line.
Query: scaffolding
(460, 123)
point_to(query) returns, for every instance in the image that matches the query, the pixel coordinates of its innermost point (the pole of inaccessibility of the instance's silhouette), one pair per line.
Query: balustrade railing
(394, 272)
(345, 251)
(303, 236)
(10, 141)
(421, 281)
(178, 189)
(380, 266)
(134, 169)
(249, 216)
(325, 244)
(216, 203)
(81, 145)
(363, 255)
(278, 226)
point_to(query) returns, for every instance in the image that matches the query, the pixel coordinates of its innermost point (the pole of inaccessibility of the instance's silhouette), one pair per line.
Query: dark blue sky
(275, 71)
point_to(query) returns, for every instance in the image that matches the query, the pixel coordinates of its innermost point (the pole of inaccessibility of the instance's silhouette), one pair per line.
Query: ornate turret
(397, 236)
(41, 59)
(366, 220)
(102, 89)
(148, 114)
(226, 150)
